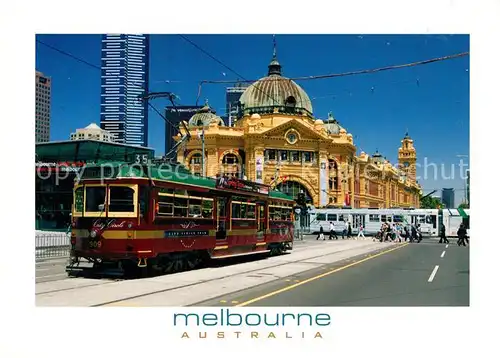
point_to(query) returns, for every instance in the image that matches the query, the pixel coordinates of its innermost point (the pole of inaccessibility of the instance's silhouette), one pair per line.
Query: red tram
(128, 218)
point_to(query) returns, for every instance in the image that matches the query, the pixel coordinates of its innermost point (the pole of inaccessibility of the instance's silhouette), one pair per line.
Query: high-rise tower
(125, 77)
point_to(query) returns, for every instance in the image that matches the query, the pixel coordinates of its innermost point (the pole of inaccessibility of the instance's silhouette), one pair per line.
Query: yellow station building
(277, 141)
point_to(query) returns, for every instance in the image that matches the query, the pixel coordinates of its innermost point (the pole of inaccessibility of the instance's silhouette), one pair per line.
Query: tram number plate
(94, 244)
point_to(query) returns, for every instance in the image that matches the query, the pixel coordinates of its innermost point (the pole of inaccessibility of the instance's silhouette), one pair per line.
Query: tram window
(121, 199)
(374, 218)
(236, 211)
(243, 211)
(383, 218)
(180, 206)
(194, 208)
(428, 219)
(421, 219)
(341, 217)
(321, 217)
(251, 212)
(332, 217)
(143, 201)
(285, 214)
(207, 209)
(389, 218)
(79, 200)
(398, 218)
(95, 196)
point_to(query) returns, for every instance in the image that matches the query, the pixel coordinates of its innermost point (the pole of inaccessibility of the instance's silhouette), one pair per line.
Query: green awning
(462, 213)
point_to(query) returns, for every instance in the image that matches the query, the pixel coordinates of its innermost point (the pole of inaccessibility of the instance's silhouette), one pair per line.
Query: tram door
(358, 220)
(261, 221)
(221, 218)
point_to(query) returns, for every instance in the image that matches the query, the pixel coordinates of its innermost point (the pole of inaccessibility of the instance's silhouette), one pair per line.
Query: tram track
(226, 276)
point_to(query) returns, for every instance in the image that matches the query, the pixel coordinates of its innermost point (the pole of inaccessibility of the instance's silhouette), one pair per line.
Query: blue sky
(431, 100)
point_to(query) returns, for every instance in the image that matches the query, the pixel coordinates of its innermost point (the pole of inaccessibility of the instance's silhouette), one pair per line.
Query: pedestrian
(462, 235)
(321, 234)
(413, 233)
(349, 230)
(442, 236)
(407, 233)
(360, 232)
(332, 231)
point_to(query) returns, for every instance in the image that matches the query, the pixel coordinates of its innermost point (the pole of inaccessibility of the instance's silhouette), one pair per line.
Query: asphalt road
(410, 275)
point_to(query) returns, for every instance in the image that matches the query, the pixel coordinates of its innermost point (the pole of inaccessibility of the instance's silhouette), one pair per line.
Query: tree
(429, 202)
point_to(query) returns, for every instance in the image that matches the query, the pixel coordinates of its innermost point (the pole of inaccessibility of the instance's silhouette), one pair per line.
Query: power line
(351, 73)
(224, 65)
(68, 54)
(97, 67)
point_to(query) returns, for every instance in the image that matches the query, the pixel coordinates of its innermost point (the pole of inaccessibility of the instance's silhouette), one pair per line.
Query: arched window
(290, 101)
(293, 189)
(195, 164)
(231, 165)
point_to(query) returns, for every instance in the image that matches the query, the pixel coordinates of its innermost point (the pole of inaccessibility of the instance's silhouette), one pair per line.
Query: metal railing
(52, 244)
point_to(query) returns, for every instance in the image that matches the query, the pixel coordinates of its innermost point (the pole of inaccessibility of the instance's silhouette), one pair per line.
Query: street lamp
(465, 184)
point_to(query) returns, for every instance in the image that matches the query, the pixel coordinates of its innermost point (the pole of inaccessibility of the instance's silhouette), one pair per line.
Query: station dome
(204, 117)
(275, 92)
(332, 126)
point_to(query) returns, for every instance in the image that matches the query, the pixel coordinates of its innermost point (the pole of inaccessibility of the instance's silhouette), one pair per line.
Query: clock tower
(407, 159)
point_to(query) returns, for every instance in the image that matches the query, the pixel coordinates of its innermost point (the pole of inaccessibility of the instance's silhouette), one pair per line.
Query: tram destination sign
(243, 185)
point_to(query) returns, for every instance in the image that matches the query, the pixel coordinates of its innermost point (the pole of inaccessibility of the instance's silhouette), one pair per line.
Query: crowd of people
(396, 232)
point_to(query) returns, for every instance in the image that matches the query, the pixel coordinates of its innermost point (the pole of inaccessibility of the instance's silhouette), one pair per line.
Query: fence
(49, 244)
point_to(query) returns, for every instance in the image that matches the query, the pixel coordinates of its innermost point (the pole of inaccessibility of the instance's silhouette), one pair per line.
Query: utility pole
(204, 173)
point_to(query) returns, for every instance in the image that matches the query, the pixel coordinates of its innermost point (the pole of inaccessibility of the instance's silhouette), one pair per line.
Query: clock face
(291, 138)
(406, 164)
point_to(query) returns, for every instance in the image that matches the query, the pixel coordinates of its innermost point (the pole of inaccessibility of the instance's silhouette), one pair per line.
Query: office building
(233, 95)
(124, 78)
(42, 107)
(175, 115)
(93, 132)
(448, 197)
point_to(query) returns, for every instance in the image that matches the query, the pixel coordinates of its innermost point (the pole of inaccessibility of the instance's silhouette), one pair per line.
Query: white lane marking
(43, 269)
(431, 277)
(59, 274)
(446, 246)
(442, 255)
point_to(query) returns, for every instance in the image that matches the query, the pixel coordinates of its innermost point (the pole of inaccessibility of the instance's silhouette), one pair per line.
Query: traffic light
(301, 199)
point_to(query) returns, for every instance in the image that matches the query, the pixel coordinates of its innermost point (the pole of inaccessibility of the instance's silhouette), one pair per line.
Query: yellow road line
(316, 277)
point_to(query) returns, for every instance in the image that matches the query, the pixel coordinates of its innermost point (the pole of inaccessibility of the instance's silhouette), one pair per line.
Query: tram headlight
(93, 234)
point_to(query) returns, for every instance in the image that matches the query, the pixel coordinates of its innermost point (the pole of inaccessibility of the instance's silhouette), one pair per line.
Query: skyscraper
(175, 116)
(233, 95)
(125, 77)
(448, 197)
(42, 111)
(467, 194)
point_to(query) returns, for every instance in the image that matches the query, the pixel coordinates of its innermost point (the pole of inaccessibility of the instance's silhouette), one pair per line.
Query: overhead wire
(99, 68)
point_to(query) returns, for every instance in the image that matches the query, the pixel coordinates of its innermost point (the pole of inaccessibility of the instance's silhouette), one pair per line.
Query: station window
(283, 155)
(295, 156)
(307, 157)
(271, 154)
